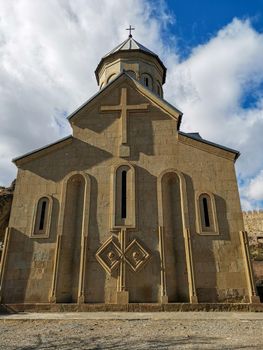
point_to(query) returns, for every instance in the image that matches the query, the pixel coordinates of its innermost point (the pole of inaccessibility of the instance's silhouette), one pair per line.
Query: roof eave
(17, 159)
(94, 96)
(237, 153)
(125, 51)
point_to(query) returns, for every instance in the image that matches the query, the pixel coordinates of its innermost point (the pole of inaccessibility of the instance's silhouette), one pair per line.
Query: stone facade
(6, 197)
(128, 209)
(253, 221)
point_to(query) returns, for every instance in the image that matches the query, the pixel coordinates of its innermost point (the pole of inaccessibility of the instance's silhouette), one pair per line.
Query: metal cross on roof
(130, 29)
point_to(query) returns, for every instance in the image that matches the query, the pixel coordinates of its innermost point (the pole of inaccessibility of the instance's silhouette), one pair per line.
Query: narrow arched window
(123, 213)
(207, 222)
(42, 217)
(146, 81)
(206, 213)
(124, 194)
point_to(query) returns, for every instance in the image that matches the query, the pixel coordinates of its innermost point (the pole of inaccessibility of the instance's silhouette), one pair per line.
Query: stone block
(123, 297)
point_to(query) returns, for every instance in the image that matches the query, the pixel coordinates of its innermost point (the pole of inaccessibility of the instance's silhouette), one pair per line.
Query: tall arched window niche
(206, 218)
(123, 199)
(147, 80)
(175, 243)
(68, 284)
(42, 217)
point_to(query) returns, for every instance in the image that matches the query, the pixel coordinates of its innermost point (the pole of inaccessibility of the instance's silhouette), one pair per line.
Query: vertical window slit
(146, 82)
(42, 216)
(206, 214)
(124, 194)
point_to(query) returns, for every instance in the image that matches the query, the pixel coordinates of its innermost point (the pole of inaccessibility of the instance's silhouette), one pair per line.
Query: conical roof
(130, 45)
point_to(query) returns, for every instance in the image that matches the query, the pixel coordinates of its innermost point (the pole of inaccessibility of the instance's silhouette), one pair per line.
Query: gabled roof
(196, 136)
(167, 107)
(164, 105)
(130, 45)
(54, 145)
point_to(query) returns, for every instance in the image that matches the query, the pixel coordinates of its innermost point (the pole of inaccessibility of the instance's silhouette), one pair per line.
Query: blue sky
(195, 22)
(213, 51)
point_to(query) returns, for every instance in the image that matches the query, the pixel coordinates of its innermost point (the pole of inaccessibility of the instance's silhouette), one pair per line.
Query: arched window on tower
(206, 214)
(111, 77)
(42, 217)
(147, 80)
(131, 73)
(159, 89)
(123, 213)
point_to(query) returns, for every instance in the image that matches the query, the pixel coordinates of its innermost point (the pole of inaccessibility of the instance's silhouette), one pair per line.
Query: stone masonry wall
(6, 197)
(253, 221)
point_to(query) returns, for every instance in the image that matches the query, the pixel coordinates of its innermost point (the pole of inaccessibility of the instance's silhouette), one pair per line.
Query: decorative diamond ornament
(109, 255)
(136, 255)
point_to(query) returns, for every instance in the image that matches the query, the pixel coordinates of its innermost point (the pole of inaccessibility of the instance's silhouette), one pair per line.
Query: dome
(138, 61)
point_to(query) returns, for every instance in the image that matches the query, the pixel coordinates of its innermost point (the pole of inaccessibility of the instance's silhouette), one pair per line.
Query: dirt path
(132, 331)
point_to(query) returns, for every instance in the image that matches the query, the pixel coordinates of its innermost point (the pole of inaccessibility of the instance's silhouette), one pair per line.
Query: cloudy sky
(213, 50)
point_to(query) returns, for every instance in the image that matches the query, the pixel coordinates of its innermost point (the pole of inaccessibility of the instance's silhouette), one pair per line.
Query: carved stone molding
(136, 255)
(111, 254)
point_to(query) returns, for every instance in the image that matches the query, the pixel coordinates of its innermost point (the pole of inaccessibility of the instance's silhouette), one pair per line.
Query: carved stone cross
(124, 108)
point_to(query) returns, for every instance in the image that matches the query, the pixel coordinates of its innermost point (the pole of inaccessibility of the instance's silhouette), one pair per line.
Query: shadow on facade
(78, 155)
(144, 285)
(30, 265)
(98, 121)
(205, 247)
(140, 131)
(95, 275)
(175, 253)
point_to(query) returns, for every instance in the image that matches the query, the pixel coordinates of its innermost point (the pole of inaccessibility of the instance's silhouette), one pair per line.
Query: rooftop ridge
(133, 45)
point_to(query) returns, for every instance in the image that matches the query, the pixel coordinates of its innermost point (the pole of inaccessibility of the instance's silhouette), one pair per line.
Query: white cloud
(255, 187)
(50, 49)
(210, 85)
(48, 53)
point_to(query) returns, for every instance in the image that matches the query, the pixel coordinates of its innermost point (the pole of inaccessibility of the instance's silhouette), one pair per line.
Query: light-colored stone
(148, 241)
(123, 297)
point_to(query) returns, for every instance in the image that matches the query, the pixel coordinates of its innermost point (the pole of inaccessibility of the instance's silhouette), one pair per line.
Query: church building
(127, 209)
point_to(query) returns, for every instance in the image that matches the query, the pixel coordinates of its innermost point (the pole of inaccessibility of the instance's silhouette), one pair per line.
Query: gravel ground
(153, 332)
